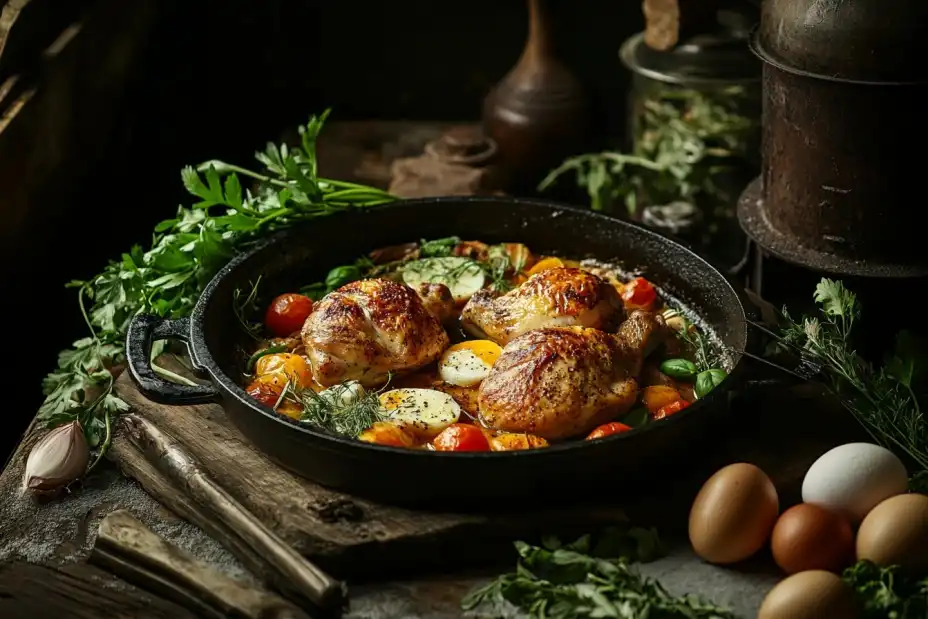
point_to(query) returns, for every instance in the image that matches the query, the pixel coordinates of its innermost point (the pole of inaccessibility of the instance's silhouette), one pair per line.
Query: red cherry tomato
(287, 313)
(639, 293)
(608, 429)
(265, 391)
(461, 437)
(670, 409)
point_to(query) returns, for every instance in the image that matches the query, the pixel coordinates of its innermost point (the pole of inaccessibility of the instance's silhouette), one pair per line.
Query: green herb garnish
(884, 400)
(585, 580)
(345, 409)
(887, 592)
(683, 369)
(187, 250)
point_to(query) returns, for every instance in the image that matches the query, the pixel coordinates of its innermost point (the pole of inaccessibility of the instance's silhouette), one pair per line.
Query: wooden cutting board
(355, 538)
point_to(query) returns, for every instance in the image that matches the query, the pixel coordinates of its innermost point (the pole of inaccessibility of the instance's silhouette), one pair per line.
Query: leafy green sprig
(686, 138)
(887, 592)
(584, 580)
(185, 253)
(884, 399)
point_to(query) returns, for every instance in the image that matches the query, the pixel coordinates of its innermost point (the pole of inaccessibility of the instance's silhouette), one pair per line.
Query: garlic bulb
(60, 457)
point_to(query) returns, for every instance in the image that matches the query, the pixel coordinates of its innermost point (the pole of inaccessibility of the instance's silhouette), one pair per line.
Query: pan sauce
(499, 306)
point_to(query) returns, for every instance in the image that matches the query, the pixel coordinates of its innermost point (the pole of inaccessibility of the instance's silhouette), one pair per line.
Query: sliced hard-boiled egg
(462, 276)
(423, 413)
(468, 363)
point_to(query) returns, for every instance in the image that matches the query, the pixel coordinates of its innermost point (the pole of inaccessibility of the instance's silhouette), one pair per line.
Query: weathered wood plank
(75, 592)
(347, 535)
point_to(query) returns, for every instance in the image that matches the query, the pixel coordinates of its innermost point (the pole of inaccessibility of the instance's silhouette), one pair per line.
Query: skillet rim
(227, 387)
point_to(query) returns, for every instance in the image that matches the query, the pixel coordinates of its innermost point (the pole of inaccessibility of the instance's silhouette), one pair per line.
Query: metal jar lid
(871, 41)
(717, 58)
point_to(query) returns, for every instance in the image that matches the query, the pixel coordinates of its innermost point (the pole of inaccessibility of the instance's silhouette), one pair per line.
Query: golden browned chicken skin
(559, 297)
(367, 330)
(564, 381)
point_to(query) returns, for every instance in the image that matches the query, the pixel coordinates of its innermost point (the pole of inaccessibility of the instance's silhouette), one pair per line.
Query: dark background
(206, 79)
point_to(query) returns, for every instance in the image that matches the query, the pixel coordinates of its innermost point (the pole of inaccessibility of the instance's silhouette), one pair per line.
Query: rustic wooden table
(44, 547)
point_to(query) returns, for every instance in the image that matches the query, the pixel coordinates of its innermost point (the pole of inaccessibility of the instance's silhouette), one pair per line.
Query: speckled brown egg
(895, 532)
(733, 514)
(809, 537)
(814, 594)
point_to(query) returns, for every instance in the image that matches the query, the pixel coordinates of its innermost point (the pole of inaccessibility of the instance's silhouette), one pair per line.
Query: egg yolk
(468, 363)
(285, 366)
(486, 350)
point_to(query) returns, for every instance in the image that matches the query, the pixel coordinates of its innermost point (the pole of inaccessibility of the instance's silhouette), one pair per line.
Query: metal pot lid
(860, 40)
(712, 58)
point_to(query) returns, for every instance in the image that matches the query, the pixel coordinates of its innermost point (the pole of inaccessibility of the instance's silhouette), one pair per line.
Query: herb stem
(108, 437)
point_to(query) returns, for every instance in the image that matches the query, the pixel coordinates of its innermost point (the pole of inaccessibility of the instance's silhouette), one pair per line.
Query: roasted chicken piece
(368, 329)
(437, 300)
(558, 297)
(561, 382)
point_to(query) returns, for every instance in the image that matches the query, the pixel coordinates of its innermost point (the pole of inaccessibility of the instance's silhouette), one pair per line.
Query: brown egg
(809, 537)
(815, 594)
(895, 532)
(733, 514)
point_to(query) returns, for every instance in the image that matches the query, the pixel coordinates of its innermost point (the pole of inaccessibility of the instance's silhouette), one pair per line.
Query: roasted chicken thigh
(559, 297)
(369, 329)
(559, 382)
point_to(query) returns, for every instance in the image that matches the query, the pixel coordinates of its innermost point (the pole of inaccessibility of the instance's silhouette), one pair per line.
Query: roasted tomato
(608, 429)
(639, 294)
(286, 367)
(670, 409)
(287, 313)
(265, 390)
(516, 442)
(656, 396)
(461, 437)
(383, 433)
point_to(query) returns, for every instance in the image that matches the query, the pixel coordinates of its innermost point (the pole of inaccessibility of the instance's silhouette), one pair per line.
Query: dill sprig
(883, 399)
(345, 409)
(186, 251)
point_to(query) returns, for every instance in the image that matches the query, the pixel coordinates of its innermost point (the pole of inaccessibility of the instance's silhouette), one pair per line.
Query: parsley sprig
(185, 253)
(585, 579)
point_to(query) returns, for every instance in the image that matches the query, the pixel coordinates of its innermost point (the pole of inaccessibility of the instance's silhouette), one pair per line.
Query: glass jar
(694, 113)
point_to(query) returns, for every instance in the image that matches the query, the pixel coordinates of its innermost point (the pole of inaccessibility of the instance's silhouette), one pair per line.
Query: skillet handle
(145, 329)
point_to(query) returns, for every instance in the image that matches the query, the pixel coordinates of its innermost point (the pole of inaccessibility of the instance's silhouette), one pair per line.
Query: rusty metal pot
(844, 85)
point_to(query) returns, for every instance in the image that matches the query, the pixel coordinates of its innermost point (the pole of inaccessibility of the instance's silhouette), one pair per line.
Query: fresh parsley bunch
(185, 253)
(586, 579)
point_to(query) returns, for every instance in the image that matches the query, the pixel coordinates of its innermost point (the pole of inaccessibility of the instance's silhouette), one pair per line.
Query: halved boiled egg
(468, 363)
(423, 413)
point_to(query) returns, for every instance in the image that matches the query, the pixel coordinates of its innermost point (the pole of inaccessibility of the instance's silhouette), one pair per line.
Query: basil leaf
(709, 380)
(679, 368)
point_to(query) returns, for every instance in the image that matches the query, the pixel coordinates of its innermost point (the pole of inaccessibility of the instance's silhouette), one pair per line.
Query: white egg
(463, 276)
(463, 368)
(852, 479)
(343, 395)
(421, 412)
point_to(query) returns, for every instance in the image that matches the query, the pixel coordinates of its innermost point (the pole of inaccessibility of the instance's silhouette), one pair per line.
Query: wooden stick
(169, 457)
(129, 549)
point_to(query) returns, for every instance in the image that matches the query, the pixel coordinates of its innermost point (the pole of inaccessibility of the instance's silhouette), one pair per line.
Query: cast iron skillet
(567, 472)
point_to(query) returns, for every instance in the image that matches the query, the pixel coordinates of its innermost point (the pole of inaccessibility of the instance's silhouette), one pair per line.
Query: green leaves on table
(186, 251)
(586, 579)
